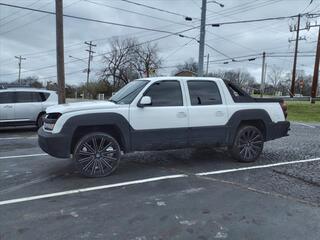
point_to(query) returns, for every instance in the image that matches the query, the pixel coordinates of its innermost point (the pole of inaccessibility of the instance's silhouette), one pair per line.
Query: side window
(204, 93)
(238, 94)
(44, 96)
(26, 97)
(165, 93)
(6, 97)
(36, 97)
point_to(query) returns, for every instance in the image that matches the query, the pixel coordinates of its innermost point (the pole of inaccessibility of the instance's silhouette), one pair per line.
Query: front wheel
(97, 155)
(248, 144)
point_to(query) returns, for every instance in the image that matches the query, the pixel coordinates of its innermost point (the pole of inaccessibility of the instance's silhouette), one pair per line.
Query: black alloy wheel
(97, 155)
(248, 144)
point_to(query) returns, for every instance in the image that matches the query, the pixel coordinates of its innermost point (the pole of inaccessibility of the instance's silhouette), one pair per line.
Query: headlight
(48, 126)
(50, 120)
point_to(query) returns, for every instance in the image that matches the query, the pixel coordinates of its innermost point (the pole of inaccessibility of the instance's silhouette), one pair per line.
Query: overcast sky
(32, 34)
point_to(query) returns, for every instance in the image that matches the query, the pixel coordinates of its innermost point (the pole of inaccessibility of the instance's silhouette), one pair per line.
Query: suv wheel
(97, 155)
(248, 144)
(40, 120)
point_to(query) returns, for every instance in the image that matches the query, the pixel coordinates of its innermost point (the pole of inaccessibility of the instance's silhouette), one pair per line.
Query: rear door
(28, 105)
(207, 113)
(6, 106)
(164, 123)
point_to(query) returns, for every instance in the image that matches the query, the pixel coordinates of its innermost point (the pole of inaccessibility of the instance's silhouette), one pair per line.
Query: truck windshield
(126, 94)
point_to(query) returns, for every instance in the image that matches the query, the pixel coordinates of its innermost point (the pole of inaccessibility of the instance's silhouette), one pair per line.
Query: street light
(220, 4)
(77, 59)
(203, 33)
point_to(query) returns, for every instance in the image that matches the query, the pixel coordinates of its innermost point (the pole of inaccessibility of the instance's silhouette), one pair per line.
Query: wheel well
(41, 113)
(258, 123)
(109, 129)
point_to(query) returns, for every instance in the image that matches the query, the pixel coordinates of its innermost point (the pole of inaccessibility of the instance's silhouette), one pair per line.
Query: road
(180, 194)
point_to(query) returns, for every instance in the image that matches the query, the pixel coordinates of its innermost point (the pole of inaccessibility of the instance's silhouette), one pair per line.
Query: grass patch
(303, 111)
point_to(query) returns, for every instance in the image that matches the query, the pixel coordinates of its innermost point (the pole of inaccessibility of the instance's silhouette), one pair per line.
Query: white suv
(25, 106)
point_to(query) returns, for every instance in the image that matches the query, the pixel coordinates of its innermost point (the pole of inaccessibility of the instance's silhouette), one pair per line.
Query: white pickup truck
(162, 113)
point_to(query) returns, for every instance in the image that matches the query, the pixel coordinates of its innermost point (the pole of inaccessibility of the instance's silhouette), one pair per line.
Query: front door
(6, 107)
(164, 123)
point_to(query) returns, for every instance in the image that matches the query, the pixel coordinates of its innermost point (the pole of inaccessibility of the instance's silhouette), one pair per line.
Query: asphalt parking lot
(181, 194)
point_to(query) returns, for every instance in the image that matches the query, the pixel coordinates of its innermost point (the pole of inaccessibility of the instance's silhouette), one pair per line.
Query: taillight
(284, 107)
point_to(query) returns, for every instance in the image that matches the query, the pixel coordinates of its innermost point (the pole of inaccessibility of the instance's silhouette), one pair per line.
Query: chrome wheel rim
(250, 144)
(98, 156)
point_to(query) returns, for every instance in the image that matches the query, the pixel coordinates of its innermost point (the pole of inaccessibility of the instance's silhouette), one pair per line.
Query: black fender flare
(96, 120)
(245, 115)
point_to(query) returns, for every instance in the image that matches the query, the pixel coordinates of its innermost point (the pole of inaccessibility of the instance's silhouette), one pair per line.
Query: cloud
(33, 34)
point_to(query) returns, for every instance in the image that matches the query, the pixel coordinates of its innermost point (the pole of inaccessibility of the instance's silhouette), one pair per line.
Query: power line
(101, 54)
(256, 20)
(34, 20)
(10, 15)
(243, 8)
(137, 13)
(216, 50)
(24, 15)
(92, 20)
(157, 9)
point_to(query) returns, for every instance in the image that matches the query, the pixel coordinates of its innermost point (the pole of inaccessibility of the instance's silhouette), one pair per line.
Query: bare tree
(189, 65)
(240, 77)
(128, 60)
(275, 76)
(148, 60)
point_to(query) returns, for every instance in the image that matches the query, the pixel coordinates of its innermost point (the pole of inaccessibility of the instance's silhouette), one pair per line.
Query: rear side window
(6, 97)
(165, 93)
(237, 94)
(44, 96)
(204, 93)
(25, 97)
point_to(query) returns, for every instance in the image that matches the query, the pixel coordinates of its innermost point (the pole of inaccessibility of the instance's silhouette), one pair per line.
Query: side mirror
(145, 100)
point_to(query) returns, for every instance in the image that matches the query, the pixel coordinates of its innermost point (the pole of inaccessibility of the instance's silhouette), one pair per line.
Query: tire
(248, 144)
(97, 155)
(40, 120)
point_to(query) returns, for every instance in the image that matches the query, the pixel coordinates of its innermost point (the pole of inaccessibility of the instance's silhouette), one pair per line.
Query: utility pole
(89, 62)
(315, 72)
(262, 74)
(208, 57)
(19, 64)
(293, 80)
(202, 37)
(60, 51)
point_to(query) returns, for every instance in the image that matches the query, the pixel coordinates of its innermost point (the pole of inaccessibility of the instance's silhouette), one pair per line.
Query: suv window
(204, 93)
(165, 93)
(44, 96)
(24, 97)
(6, 97)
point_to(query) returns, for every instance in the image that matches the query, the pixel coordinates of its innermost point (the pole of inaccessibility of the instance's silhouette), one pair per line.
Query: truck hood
(81, 106)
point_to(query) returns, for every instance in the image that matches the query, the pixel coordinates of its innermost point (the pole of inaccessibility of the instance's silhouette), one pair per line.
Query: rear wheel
(248, 144)
(97, 155)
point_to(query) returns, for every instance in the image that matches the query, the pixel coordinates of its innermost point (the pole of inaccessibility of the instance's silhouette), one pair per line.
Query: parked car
(162, 113)
(25, 106)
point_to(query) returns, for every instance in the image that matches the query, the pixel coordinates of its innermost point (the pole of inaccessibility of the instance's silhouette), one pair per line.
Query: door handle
(181, 115)
(219, 114)
(7, 106)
